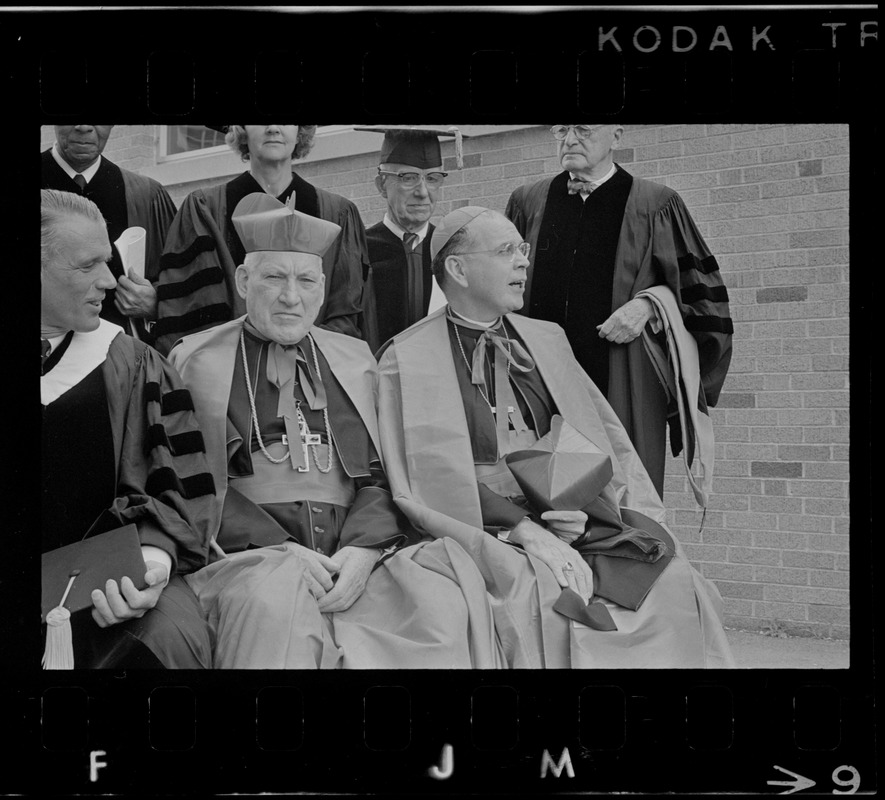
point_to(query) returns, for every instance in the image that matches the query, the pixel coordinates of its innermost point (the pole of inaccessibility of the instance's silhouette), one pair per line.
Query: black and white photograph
(398, 415)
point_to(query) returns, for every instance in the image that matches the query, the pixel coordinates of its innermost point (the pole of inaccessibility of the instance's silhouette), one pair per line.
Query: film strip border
(493, 67)
(566, 733)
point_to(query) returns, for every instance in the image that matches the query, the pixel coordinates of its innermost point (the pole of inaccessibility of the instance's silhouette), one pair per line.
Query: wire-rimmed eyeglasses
(508, 250)
(581, 131)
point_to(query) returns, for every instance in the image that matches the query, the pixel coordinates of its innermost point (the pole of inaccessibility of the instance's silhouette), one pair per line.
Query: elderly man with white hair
(314, 566)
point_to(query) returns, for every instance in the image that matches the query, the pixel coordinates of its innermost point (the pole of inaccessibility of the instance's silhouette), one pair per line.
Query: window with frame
(183, 141)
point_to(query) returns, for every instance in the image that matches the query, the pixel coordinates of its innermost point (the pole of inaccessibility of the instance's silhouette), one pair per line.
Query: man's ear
(241, 277)
(381, 186)
(454, 266)
(617, 133)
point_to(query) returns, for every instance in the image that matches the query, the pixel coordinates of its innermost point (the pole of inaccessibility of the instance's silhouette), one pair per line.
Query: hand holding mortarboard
(562, 471)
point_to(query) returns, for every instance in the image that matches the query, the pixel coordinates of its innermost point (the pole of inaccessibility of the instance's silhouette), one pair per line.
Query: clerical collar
(487, 325)
(599, 182)
(400, 232)
(88, 173)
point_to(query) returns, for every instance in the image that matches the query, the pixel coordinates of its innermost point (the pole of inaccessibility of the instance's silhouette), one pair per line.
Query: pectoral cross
(308, 439)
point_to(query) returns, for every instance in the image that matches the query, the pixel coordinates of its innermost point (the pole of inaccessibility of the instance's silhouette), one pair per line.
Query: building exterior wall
(772, 202)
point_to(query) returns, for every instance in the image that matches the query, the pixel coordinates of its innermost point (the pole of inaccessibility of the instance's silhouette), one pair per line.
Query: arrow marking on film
(799, 783)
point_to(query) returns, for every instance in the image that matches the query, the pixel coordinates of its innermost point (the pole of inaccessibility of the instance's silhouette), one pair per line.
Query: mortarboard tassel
(459, 147)
(59, 650)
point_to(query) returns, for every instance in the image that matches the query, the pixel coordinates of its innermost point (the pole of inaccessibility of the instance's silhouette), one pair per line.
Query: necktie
(575, 186)
(81, 183)
(414, 279)
(508, 354)
(46, 348)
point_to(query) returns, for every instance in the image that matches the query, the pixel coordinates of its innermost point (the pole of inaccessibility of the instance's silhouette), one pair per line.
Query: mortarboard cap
(562, 471)
(91, 562)
(415, 145)
(264, 223)
(452, 223)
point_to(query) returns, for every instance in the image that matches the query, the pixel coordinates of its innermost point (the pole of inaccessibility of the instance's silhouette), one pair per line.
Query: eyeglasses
(506, 251)
(581, 131)
(411, 179)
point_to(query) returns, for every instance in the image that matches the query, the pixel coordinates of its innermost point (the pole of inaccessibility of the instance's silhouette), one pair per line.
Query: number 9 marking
(853, 782)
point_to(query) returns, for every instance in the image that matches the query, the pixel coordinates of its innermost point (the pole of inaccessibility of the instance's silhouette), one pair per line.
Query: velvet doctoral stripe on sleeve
(693, 274)
(195, 288)
(150, 207)
(163, 482)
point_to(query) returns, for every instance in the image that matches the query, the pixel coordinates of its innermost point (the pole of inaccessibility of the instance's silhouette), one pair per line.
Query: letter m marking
(565, 762)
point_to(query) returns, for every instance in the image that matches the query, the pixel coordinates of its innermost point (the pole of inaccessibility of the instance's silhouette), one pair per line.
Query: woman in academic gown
(196, 283)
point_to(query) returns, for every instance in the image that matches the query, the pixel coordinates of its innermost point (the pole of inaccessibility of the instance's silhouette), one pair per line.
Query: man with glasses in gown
(599, 236)
(410, 178)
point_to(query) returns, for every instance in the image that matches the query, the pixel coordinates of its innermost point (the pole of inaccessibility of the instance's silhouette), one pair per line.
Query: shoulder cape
(205, 361)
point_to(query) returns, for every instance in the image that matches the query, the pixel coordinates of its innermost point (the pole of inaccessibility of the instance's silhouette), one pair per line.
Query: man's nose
(421, 187)
(84, 128)
(571, 137)
(290, 294)
(106, 279)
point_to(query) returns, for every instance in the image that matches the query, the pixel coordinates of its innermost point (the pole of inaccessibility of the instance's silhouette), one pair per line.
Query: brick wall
(772, 203)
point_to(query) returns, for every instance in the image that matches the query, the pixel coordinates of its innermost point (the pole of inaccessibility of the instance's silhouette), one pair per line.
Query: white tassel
(59, 650)
(459, 147)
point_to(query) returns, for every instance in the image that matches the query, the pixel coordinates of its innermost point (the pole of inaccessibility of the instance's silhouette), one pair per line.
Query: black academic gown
(387, 309)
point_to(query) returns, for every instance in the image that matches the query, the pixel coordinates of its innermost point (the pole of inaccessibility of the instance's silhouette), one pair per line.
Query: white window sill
(336, 144)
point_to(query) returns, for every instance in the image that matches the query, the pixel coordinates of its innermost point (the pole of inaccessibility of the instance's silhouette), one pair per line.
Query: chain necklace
(302, 422)
(470, 366)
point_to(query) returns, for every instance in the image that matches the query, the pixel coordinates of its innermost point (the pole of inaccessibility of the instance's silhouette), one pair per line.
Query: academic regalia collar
(305, 194)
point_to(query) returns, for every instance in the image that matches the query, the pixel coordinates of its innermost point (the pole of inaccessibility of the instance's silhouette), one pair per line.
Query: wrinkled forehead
(264, 261)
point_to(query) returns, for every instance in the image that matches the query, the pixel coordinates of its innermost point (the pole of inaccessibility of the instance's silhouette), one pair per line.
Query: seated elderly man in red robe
(120, 447)
(472, 383)
(315, 566)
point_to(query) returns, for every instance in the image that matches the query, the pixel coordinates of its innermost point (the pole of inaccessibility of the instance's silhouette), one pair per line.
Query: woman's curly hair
(237, 141)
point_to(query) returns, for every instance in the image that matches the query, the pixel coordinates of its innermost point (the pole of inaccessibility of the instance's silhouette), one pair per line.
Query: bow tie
(288, 365)
(507, 354)
(514, 354)
(576, 186)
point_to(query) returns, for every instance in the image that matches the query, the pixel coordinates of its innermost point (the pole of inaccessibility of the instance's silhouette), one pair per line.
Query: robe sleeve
(374, 520)
(162, 213)
(193, 290)
(350, 267)
(691, 271)
(515, 213)
(497, 511)
(164, 485)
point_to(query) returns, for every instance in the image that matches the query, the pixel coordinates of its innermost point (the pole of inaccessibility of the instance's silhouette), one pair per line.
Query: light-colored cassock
(426, 606)
(426, 447)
